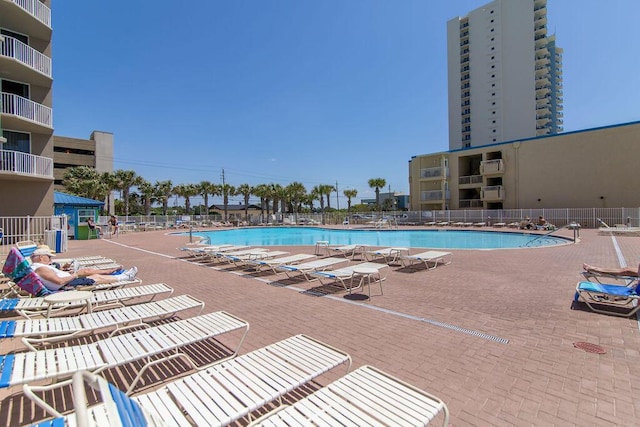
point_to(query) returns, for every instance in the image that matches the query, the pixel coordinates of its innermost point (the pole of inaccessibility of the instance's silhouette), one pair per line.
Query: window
(492, 30)
(21, 37)
(493, 103)
(17, 141)
(493, 48)
(493, 76)
(494, 131)
(493, 66)
(494, 122)
(493, 85)
(493, 57)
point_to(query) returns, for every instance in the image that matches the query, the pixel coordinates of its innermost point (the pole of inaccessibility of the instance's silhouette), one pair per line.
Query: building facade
(95, 152)
(504, 74)
(26, 114)
(594, 168)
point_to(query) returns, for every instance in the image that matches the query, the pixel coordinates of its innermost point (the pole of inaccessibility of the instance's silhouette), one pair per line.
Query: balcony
(493, 193)
(542, 122)
(23, 63)
(23, 114)
(17, 164)
(470, 180)
(470, 203)
(492, 167)
(434, 196)
(437, 172)
(26, 16)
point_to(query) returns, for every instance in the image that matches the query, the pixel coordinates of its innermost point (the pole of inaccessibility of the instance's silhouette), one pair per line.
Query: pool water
(437, 239)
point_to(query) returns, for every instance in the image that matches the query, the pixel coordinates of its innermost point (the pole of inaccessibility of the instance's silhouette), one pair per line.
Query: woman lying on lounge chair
(625, 271)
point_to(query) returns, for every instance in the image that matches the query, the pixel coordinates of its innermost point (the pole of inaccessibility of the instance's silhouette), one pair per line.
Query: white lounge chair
(390, 255)
(220, 255)
(366, 396)
(274, 263)
(217, 396)
(347, 250)
(33, 307)
(40, 332)
(428, 257)
(345, 274)
(63, 362)
(617, 300)
(306, 268)
(260, 255)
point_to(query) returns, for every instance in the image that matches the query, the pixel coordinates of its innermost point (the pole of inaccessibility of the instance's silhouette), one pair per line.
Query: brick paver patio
(491, 334)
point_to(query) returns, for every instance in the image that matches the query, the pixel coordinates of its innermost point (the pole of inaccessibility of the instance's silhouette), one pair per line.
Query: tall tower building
(26, 116)
(505, 74)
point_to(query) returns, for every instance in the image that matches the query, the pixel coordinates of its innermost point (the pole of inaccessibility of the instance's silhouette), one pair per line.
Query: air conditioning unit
(56, 240)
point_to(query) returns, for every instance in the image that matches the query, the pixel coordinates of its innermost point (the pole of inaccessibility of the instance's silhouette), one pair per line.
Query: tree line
(294, 198)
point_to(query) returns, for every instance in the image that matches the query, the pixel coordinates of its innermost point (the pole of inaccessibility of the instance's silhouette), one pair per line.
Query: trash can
(56, 240)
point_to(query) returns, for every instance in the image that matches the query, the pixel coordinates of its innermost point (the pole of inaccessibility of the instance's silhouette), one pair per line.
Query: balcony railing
(492, 166)
(435, 172)
(434, 195)
(36, 9)
(27, 109)
(16, 162)
(492, 193)
(470, 179)
(25, 54)
(471, 203)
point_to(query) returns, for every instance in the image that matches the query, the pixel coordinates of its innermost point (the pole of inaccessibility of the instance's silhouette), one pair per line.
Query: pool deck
(491, 333)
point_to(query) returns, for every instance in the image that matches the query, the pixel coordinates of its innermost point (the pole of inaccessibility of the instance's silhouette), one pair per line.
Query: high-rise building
(26, 115)
(505, 74)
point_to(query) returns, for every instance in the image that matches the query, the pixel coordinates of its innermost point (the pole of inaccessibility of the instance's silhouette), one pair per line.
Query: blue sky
(296, 90)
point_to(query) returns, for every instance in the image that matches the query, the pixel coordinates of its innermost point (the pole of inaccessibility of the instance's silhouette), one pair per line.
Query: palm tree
(126, 179)
(377, 183)
(245, 190)
(276, 195)
(227, 190)
(349, 194)
(109, 179)
(84, 181)
(296, 193)
(262, 191)
(164, 190)
(186, 191)
(318, 192)
(148, 192)
(206, 188)
(328, 189)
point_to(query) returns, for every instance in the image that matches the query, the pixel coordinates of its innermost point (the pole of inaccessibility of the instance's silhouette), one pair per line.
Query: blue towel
(616, 290)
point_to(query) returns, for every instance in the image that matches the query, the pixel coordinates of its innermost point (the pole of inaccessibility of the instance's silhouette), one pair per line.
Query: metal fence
(586, 217)
(14, 229)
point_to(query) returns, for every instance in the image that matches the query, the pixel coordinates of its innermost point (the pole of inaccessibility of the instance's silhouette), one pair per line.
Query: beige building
(95, 152)
(26, 114)
(592, 168)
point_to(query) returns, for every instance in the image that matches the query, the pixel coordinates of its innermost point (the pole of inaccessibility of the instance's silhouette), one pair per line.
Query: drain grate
(589, 347)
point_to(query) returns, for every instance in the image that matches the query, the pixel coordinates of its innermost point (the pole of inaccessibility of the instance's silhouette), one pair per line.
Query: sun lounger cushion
(32, 284)
(16, 266)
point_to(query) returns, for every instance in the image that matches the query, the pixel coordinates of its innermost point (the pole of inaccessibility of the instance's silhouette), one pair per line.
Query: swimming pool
(441, 239)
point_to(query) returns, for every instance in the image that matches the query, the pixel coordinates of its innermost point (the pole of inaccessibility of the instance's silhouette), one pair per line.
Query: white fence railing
(13, 48)
(27, 109)
(18, 228)
(586, 217)
(36, 9)
(25, 164)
